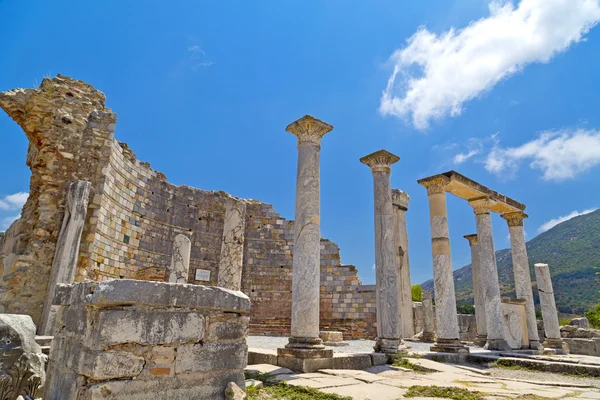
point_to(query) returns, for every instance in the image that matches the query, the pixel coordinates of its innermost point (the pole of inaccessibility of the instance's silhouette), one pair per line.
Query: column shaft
(232, 245)
(180, 260)
(478, 291)
(428, 318)
(489, 270)
(400, 201)
(554, 340)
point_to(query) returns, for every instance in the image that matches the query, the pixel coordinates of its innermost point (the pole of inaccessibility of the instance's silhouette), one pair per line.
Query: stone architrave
(232, 246)
(448, 336)
(304, 342)
(180, 260)
(389, 335)
(400, 201)
(523, 287)
(428, 318)
(554, 342)
(490, 284)
(477, 290)
(64, 264)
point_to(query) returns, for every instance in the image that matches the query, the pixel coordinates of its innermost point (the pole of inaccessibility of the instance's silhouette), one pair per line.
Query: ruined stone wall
(134, 215)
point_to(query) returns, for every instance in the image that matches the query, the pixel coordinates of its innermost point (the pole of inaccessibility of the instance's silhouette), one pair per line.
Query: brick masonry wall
(135, 214)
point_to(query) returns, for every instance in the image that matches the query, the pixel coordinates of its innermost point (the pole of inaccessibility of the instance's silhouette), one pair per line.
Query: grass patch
(447, 392)
(281, 390)
(506, 364)
(404, 362)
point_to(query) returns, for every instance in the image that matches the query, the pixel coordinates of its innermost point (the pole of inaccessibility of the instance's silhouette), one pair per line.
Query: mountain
(571, 249)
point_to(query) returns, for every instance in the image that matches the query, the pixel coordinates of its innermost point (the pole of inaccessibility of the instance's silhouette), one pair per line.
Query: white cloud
(5, 222)
(553, 222)
(462, 157)
(559, 155)
(458, 65)
(14, 201)
(197, 56)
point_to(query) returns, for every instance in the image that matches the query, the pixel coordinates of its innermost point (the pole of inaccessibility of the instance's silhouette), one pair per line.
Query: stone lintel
(473, 239)
(309, 129)
(467, 189)
(482, 205)
(380, 161)
(121, 292)
(515, 218)
(400, 199)
(510, 300)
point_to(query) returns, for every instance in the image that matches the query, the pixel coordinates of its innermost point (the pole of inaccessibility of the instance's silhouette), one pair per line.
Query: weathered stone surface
(232, 247)
(104, 365)
(389, 335)
(210, 357)
(582, 322)
(479, 299)
(22, 364)
(428, 318)
(515, 323)
(180, 260)
(400, 201)
(234, 392)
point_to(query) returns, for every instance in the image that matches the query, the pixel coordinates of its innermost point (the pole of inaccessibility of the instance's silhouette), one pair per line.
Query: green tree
(465, 309)
(594, 316)
(416, 292)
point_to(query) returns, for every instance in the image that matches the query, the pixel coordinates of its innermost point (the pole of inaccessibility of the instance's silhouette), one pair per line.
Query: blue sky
(506, 94)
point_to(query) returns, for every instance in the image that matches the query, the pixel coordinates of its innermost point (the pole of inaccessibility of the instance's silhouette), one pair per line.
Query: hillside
(572, 250)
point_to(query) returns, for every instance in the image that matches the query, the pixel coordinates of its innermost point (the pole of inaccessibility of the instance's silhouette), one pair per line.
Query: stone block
(304, 353)
(352, 361)
(210, 357)
(103, 365)
(230, 329)
(378, 358)
(580, 322)
(147, 327)
(305, 365)
(262, 356)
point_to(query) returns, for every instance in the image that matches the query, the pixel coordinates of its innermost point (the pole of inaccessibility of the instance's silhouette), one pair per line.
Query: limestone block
(234, 392)
(104, 365)
(514, 315)
(229, 329)
(232, 246)
(22, 364)
(210, 356)
(580, 322)
(180, 260)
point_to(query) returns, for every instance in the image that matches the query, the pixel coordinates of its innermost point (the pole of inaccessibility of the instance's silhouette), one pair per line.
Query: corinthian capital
(482, 205)
(308, 129)
(435, 185)
(380, 161)
(400, 199)
(514, 218)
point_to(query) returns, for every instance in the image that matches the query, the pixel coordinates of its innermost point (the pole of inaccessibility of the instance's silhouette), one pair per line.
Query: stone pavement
(388, 383)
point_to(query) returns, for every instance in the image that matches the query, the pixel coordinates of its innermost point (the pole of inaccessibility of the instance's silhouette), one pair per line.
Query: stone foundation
(127, 339)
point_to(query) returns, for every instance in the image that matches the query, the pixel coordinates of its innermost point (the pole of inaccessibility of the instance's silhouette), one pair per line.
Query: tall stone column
(64, 264)
(428, 318)
(400, 201)
(523, 287)
(448, 337)
(554, 343)
(180, 260)
(489, 272)
(477, 290)
(232, 245)
(305, 342)
(389, 338)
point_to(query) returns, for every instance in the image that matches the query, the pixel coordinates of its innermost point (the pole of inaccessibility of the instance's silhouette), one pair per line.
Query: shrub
(416, 292)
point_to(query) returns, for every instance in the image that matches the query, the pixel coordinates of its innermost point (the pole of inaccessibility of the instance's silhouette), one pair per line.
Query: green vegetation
(593, 316)
(417, 292)
(507, 364)
(281, 390)
(572, 252)
(465, 308)
(446, 392)
(404, 362)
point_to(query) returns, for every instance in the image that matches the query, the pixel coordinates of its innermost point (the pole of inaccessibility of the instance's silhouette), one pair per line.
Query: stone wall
(128, 339)
(134, 215)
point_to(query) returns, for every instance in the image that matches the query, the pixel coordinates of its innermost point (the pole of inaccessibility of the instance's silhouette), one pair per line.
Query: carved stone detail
(309, 129)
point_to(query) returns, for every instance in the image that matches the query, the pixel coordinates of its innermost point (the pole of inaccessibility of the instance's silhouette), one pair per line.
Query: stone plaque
(203, 275)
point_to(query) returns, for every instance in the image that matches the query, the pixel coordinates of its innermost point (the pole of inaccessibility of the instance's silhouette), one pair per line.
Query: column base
(332, 338)
(497, 344)
(305, 355)
(449, 346)
(481, 340)
(555, 346)
(427, 337)
(536, 345)
(390, 346)
(313, 343)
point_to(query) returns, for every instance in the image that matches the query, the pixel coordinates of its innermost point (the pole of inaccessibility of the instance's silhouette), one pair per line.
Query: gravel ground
(355, 346)
(542, 377)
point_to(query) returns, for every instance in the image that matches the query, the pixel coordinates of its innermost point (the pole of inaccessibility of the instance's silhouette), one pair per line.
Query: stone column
(554, 343)
(523, 287)
(180, 260)
(489, 272)
(305, 342)
(64, 264)
(389, 338)
(428, 318)
(232, 245)
(400, 201)
(477, 291)
(448, 337)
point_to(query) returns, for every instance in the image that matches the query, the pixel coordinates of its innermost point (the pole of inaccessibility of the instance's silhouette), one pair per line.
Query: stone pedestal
(515, 323)
(332, 338)
(448, 336)
(400, 201)
(180, 260)
(304, 343)
(67, 249)
(554, 343)
(232, 246)
(389, 337)
(491, 287)
(477, 291)
(523, 287)
(428, 318)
